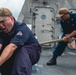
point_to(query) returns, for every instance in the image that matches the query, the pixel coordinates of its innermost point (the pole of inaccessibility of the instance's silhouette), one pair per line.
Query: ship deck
(66, 64)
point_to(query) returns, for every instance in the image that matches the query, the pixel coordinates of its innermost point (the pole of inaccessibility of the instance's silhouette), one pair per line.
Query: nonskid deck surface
(66, 64)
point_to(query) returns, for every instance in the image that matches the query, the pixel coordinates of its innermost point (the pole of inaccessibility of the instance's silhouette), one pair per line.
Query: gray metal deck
(66, 64)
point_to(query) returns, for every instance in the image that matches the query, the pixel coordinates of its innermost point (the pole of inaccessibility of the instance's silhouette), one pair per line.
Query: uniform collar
(71, 17)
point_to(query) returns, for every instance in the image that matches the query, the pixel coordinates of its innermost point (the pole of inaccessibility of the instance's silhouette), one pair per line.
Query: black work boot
(52, 61)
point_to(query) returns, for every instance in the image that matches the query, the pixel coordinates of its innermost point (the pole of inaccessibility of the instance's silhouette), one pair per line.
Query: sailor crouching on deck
(19, 49)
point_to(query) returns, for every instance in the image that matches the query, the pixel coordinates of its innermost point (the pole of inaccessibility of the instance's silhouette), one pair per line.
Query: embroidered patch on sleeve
(19, 33)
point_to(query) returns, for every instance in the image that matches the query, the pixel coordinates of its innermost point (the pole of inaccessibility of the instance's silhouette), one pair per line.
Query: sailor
(19, 49)
(68, 24)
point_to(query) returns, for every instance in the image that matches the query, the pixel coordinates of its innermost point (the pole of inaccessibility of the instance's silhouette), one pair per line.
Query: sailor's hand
(65, 39)
(73, 46)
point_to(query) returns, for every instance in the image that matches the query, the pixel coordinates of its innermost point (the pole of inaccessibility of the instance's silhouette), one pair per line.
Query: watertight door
(44, 23)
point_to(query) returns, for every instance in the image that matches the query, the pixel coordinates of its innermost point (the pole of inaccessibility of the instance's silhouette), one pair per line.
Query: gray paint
(26, 14)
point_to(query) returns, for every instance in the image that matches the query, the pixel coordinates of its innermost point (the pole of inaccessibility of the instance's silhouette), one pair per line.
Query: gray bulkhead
(40, 16)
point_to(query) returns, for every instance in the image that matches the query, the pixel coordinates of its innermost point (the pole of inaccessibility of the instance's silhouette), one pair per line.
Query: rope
(52, 41)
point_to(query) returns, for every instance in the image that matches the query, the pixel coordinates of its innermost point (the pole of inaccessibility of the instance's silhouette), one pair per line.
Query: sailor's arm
(72, 34)
(7, 52)
(65, 38)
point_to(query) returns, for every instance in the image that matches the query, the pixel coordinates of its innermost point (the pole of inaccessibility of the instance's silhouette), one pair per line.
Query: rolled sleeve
(22, 35)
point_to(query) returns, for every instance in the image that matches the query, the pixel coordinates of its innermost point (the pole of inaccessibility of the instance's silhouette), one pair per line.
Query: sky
(14, 5)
